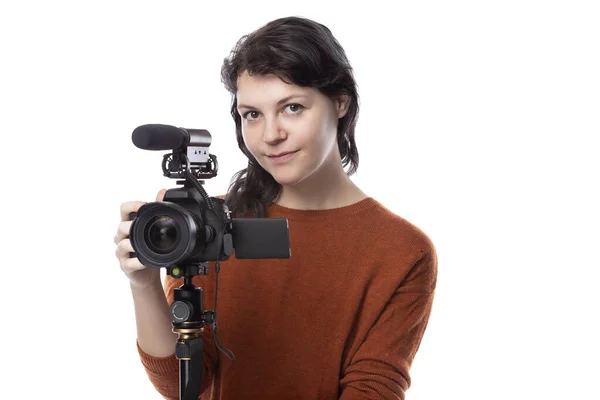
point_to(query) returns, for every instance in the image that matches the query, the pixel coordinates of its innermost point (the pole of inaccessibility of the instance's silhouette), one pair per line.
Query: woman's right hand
(138, 274)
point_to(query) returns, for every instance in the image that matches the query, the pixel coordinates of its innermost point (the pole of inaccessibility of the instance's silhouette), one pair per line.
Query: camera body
(182, 229)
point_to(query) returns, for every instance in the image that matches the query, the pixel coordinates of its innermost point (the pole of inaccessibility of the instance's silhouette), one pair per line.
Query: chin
(286, 179)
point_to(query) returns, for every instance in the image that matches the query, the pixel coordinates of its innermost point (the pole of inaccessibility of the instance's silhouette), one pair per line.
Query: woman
(344, 316)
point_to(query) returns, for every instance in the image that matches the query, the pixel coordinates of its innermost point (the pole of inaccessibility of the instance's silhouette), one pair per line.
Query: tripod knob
(181, 310)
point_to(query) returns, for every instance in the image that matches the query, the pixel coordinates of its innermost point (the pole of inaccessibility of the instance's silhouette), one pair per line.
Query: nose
(273, 132)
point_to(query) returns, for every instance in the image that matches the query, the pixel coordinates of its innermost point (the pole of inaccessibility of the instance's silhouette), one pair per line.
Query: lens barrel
(164, 234)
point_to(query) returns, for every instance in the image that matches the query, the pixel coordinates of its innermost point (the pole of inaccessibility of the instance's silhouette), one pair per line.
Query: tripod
(188, 322)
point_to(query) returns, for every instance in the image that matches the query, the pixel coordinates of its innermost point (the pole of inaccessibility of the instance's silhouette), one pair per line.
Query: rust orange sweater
(341, 319)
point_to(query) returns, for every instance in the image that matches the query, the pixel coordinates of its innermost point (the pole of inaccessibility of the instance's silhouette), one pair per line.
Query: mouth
(280, 154)
(282, 157)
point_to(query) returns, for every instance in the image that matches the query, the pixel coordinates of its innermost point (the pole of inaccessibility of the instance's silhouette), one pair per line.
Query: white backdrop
(479, 124)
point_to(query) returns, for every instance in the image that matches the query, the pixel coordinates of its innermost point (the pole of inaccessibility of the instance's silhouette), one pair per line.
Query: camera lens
(161, 234)
(164, 234)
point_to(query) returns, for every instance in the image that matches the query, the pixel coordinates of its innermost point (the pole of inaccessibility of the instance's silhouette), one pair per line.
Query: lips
(283, 157)
(280, 154)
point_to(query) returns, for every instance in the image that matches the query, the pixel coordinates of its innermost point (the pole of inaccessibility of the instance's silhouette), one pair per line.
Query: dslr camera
(189, 228)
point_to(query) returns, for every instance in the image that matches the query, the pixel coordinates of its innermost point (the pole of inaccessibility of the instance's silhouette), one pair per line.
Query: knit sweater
(341, 319)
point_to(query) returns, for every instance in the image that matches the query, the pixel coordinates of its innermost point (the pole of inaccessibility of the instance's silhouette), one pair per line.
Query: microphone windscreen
(158, 137)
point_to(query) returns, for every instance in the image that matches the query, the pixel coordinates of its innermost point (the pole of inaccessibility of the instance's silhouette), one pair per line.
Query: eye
(251, 115)
(294, 108)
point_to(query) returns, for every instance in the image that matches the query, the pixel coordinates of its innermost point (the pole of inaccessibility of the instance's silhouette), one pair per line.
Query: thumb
(161, 194)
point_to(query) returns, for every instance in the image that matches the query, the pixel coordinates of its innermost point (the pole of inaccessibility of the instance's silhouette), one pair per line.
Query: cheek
(326, 132)
(313, 130)
(249, 138)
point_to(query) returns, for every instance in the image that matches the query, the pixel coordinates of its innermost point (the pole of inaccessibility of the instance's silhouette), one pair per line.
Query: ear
(342, 103)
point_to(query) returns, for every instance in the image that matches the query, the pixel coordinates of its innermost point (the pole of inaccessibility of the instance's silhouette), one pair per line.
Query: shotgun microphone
(168, 137)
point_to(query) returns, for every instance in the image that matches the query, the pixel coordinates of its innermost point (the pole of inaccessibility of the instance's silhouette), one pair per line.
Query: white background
(479, 124)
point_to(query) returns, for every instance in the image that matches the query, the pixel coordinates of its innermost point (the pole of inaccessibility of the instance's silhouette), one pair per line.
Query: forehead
(266, 89)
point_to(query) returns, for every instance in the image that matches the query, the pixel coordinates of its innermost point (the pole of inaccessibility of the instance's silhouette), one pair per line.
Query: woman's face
(281, 118)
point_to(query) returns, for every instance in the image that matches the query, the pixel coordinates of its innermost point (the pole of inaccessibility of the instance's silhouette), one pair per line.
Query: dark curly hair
(305, 53)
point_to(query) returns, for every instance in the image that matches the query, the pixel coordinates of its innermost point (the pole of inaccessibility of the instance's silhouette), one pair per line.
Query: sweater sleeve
(163, 372)
(380, 367)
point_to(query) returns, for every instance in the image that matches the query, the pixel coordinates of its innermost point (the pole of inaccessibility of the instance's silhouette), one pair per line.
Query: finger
(129, 265)
(123, 231)
(161, 194)
(129, 207)
(124, 247)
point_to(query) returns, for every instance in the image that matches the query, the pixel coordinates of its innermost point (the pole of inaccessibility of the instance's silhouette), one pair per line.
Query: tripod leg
(184, 374)
(189, 353)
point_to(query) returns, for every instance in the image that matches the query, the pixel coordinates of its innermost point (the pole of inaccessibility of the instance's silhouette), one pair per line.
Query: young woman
(345, 315)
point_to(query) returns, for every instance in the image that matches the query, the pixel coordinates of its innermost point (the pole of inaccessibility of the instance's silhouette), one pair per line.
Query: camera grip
(132, 216)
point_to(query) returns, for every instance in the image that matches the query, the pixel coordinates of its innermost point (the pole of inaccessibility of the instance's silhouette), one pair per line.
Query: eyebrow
(280, 102)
